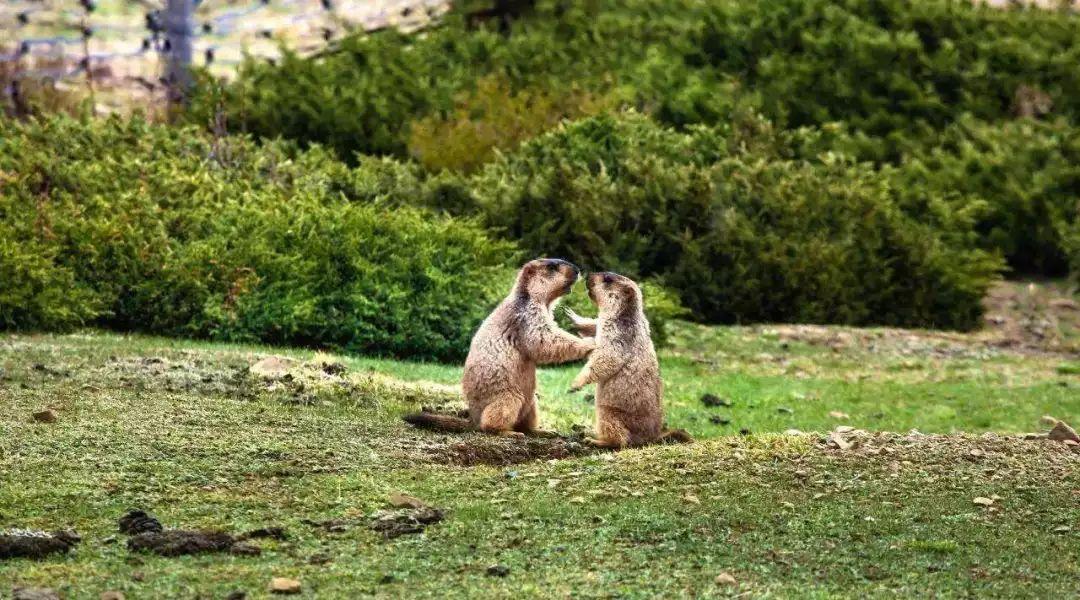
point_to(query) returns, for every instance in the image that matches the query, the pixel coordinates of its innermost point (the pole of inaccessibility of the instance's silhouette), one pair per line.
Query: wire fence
(123, 54)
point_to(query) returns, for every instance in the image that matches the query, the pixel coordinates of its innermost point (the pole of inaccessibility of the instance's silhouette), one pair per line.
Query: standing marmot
(500, 372)
(623, 366)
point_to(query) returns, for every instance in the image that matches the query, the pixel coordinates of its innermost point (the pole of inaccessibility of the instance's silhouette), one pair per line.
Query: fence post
(179, 29)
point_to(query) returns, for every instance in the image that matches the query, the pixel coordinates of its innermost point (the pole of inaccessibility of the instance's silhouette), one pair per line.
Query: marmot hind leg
(610, 433)
(500, 415)
(529, 421)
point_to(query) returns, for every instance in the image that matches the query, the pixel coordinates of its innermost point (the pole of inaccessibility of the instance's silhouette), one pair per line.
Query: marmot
(623, 366)
(499, 381)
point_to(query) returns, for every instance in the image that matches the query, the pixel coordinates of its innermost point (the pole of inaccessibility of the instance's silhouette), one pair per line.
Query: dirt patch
(24, 543)
(1020, 318)
(1033, 316)
(475, 449)
(275, 378)
(179, 542)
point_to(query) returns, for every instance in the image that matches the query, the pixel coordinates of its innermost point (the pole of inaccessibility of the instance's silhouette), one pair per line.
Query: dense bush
(1026, 172)
(133, 226)
(892, 68)
(740, 231)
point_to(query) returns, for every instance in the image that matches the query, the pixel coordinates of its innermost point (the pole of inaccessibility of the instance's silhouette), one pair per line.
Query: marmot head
(613, 293)
(546, 279)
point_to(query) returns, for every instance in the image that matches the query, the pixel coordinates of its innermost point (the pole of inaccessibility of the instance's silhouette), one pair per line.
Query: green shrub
(491, 118)
(1028, 174)
(741, 232)
(138, 227)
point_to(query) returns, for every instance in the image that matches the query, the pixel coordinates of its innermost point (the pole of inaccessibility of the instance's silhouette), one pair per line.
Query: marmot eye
(552, 267)
(608, 279)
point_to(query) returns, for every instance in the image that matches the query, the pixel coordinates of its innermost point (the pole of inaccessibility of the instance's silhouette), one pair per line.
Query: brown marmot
(623, 366)
(499, 381)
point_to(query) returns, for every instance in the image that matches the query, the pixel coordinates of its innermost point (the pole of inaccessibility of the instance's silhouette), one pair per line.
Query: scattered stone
(387, 579)
(136, 521)
(276, 533)
(718, 420)
(1062, 529)
(400, 522)
(744, 431)
(272, 367)
(498, 570)
(982, 501)
(401, 500)
(691, 499)
(178, 542)
(25, 543)
(1062, 432)
(836, 440)
(839, 415)
(245, 549)
(24, 593)
(330, 525)
(714, 400)
(284, 585)
(844, 429)
(334, 368)
(236, 595)
(111, 595)
(726, 578)
(45, 416)
(792, 432)
(785, 410)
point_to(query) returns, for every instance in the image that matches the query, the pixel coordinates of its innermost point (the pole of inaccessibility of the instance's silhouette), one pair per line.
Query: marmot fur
(499, 381)
(623, 366)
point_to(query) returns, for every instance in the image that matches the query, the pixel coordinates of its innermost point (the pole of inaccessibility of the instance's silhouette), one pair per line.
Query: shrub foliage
(139, 227)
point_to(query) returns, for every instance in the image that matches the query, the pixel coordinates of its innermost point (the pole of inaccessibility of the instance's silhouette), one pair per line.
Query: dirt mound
(24, 543)
(137, 521)
(178, 542)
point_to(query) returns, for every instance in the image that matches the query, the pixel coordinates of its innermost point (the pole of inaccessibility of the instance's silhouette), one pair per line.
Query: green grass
(783, 514)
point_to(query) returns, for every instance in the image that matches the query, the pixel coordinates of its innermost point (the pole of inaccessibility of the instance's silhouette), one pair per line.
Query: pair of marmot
(499, 381)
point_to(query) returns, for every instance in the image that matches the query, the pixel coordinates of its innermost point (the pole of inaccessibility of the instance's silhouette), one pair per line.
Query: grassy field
(182, 430)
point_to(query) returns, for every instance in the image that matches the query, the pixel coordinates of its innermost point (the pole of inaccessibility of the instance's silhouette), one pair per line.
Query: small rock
(387, 579)
(726, 578)
(498, 570)
(112, 595)
(785, 410)
(1062, 432)
(792, 432)
(284, 585)
(844, 429)
(838, 441)
(272, 367)
(691, 499)
(975, 452)
(714, 400)
(718, 420)
(23, 593)
(1062, 529)
(236, 595)
(334, 368)
(983, 501)
(245, 549)
(577, 500)
(401, 500)
(137, 521)
(45, 416)
(839, 415)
